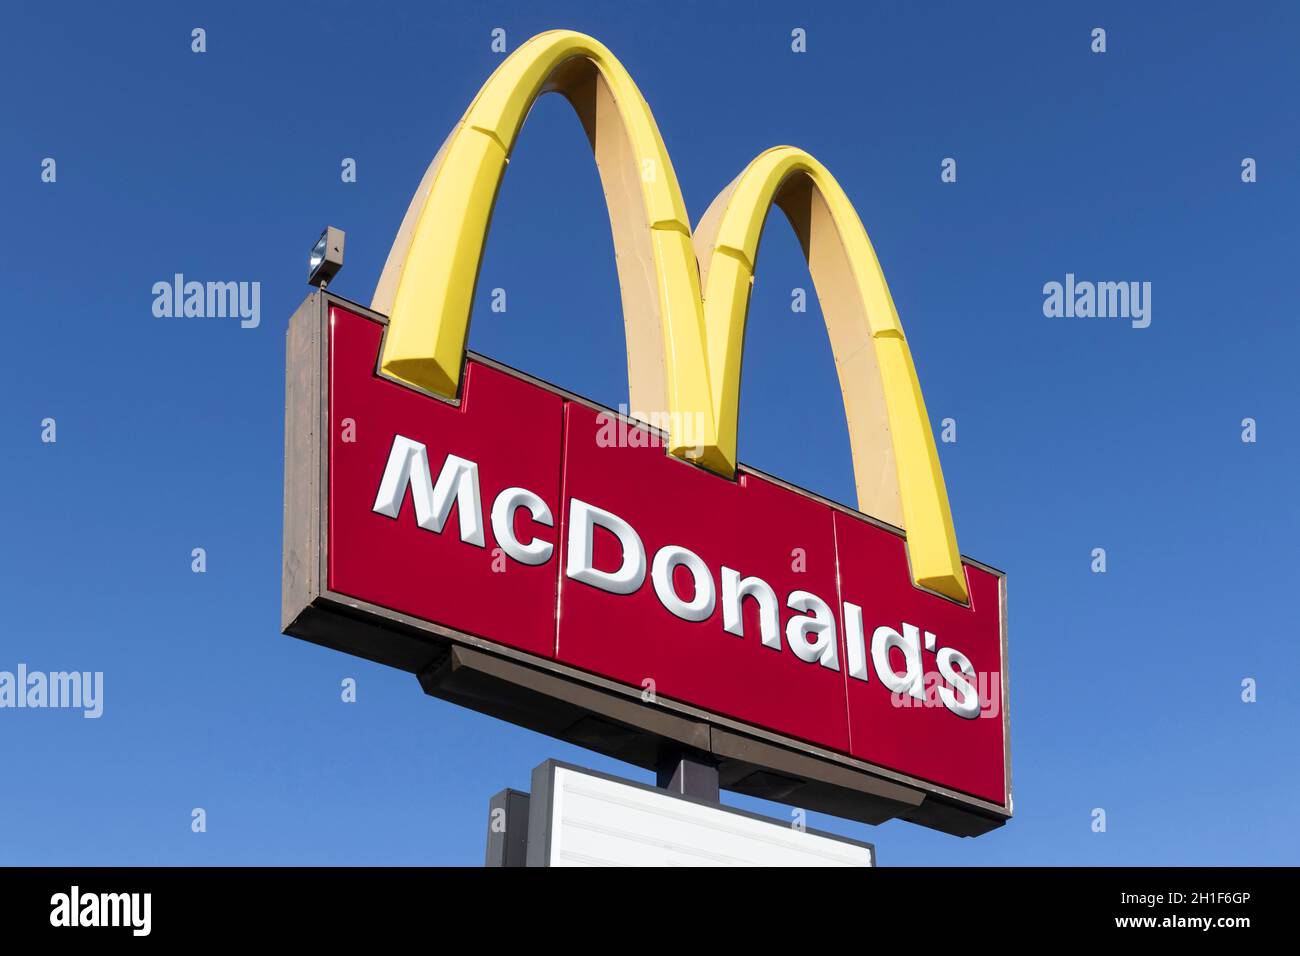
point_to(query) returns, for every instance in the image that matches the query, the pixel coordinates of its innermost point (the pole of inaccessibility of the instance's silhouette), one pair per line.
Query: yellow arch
(684, 348)
(446, 226)
(895, 462)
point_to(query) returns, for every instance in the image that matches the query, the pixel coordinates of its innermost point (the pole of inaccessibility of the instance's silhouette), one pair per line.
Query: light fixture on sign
(326, 257)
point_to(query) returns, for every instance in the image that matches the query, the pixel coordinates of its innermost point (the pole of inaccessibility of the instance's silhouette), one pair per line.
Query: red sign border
(534, 692)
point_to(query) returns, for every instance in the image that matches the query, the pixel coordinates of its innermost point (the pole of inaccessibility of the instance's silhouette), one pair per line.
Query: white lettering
(508, 502)
(408, 465)
(667, 560)
(734, 590)
(955, 668)
(820, 623)
(583, 520)
(909, 642)
(855, 639)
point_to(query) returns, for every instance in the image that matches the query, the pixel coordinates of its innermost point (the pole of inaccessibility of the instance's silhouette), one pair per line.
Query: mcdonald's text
(809, 635)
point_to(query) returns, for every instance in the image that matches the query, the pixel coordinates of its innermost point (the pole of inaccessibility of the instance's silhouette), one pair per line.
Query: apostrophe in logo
(685, 314)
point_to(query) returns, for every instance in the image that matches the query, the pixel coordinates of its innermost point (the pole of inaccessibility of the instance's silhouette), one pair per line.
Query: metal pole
(690, 775)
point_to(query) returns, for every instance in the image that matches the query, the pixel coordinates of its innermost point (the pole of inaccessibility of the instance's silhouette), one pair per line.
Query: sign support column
(689, 774)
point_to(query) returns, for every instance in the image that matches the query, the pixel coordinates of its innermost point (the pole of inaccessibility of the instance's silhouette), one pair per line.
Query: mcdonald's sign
(626, 584)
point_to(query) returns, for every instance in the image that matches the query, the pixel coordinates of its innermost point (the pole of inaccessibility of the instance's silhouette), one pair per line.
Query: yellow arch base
(684, 348)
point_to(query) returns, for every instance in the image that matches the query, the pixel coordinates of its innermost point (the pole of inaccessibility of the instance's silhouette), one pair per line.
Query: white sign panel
(586, 819)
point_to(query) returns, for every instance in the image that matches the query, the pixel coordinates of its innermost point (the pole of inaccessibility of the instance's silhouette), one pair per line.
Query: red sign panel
(544, 524)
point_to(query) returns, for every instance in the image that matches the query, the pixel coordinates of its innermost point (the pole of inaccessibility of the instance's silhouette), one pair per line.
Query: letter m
(223, 300)
(408, 465)
(1112, 300)
(116, 909)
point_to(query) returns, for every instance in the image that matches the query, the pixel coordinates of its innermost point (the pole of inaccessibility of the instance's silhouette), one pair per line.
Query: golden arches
(895, 461)
(446, 226)
(684, 347)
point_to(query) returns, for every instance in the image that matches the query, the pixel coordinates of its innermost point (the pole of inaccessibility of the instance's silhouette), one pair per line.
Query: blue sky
(1073, 434)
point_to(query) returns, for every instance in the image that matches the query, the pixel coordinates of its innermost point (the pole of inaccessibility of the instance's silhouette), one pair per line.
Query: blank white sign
(595, 821)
